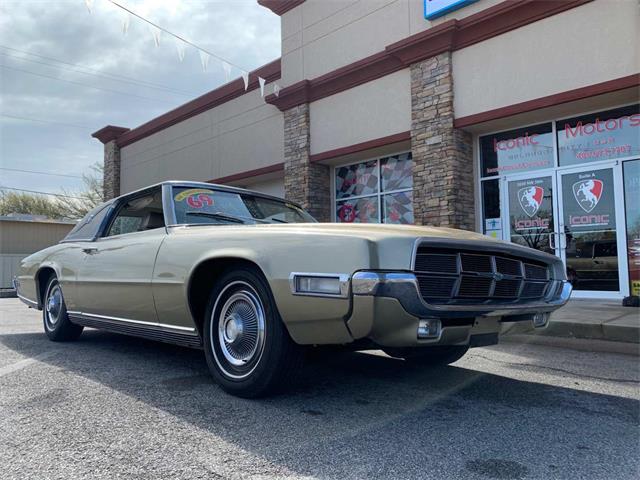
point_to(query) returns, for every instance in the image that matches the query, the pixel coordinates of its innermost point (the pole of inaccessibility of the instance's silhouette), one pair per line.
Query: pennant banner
(155, 32)
(126, 20)
(227, 71)
(261, 81)
(245, 77)
(276, 89)
(88, 4)
(181, 49)
(204, 59)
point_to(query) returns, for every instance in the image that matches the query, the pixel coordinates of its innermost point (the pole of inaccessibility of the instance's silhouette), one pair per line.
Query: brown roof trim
(278, 167)
(108, 133)
(270, 72)
(550, 100)
(451, 35)
(361, 147)
(280, 7)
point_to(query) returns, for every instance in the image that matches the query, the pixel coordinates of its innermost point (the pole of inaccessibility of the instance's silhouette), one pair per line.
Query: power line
(176, 36)
(43, 121)
(82, 84)
(39, 173)
(41, 193)
(92, 71)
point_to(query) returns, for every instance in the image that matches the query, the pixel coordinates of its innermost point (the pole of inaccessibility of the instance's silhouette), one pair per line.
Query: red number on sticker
(199, 200)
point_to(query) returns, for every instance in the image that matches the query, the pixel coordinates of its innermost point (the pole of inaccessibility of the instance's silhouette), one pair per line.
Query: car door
(71, 258)
(114, 279)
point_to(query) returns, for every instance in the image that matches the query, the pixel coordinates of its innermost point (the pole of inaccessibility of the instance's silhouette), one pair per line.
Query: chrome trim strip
(343, 278)
(26, 301)
(137, 322)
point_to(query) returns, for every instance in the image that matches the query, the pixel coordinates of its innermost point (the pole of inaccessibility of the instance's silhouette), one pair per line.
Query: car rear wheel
(57, 325)
(248, 349)
(429, 356)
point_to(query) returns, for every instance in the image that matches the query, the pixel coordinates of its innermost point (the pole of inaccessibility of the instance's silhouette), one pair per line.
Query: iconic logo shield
(588, 193)
(530, 199)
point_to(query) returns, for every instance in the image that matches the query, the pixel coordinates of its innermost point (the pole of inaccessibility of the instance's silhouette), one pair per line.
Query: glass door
(591, 230)
(531, 211)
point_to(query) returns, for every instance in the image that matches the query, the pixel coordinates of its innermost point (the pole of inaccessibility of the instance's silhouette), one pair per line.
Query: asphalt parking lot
(110, 406)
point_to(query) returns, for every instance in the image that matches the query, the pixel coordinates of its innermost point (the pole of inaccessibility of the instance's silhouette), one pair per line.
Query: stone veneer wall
(305, 183)
(111, 174)
(443, 186)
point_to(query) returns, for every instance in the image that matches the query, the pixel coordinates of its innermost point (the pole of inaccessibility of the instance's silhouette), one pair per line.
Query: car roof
(215, 186)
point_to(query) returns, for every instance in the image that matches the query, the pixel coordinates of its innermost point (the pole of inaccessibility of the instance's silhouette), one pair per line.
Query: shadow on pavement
(362, 415)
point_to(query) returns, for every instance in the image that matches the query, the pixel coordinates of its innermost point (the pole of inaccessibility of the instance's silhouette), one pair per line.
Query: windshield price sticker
(196, 197)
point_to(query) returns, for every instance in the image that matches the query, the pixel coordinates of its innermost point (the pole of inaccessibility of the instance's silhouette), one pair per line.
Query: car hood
(366, 231)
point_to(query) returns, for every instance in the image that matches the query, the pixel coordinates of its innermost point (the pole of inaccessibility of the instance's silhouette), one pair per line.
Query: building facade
(511, 118)
(22, 235)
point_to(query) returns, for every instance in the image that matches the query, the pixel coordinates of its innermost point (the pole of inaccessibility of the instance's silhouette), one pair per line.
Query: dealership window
(599, 136)
(375, 191)
(517, 151)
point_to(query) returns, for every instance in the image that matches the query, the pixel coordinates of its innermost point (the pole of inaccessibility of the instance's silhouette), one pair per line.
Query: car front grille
(455, 276)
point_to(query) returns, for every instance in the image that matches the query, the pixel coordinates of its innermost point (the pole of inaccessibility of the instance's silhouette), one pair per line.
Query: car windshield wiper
(217, 215)
(233, 218)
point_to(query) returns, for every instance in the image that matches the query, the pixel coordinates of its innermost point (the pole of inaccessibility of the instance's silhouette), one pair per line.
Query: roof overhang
(108, 133)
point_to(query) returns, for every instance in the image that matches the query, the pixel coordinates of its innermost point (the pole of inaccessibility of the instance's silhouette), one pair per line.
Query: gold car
(253, 279)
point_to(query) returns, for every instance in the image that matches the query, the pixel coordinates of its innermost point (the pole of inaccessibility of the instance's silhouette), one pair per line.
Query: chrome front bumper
(404, 288)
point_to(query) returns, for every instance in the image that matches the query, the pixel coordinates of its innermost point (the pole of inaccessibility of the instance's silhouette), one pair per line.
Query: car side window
(138, 214)
(88, 227)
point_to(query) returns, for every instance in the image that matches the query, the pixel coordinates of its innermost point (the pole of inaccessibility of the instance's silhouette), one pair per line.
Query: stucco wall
(320, 36)
(373, 110)
(240, 135)
(582, 46)
(273, 187)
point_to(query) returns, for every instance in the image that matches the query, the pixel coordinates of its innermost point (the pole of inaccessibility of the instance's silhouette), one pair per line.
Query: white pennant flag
(227, 71)
(204, 59)
(156, 32)
(180, 47)
(245, 77)
(276, 89)
(88, 4)
(261, 82)
(126, 19)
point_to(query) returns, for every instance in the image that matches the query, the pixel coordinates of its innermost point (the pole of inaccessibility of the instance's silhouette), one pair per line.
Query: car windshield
(210, 206)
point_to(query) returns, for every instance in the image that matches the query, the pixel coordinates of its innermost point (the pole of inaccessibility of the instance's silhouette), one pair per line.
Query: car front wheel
(57, 325)
(248, 349)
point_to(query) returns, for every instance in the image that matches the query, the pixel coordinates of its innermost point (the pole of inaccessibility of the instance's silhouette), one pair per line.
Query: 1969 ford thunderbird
(253, 279)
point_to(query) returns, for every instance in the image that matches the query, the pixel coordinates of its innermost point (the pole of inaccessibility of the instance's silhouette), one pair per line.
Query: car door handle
(90, 250)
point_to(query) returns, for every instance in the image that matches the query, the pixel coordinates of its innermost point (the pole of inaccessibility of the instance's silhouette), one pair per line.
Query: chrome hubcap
(54, 305)
(241, 327)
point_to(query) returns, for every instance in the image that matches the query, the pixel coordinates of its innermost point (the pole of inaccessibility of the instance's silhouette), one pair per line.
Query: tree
(87, 199)
(70, 205)
(30, 204)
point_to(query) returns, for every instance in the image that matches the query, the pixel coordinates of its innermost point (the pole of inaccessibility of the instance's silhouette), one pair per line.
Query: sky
(66, 72)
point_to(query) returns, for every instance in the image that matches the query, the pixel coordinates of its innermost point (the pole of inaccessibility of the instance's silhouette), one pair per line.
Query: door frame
(621, 227)
(557, 210)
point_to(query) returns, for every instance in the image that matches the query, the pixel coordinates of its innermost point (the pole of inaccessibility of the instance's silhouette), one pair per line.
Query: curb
(580, 344)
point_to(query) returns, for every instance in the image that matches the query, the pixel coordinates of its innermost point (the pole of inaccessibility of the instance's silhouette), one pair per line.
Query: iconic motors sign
(588, 201)
(601, 136)
(516, 151)
(530, 205)
(435, 8)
